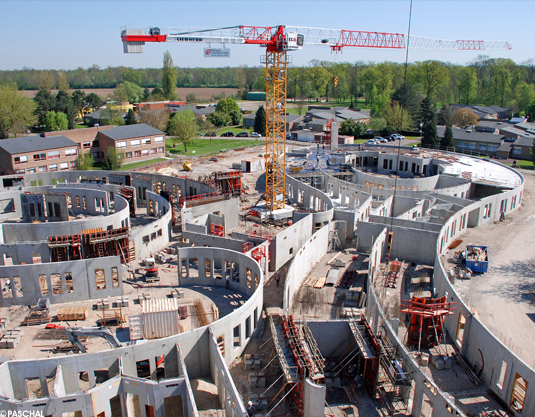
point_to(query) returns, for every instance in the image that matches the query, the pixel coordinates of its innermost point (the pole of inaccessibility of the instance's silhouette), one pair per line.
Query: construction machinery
(151, 270)
(278, 40)
(74, 334)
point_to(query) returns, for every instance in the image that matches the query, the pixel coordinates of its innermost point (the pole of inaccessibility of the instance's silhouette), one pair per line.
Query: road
(503, 296)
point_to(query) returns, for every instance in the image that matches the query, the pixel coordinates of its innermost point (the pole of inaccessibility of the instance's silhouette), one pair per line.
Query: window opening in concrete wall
(33, 388)
(153, 236)
(235, 272)
(519, 393)
(173, 406)
(159, 233)
(55, 282)
(248, 327)
(40, 209)
(228, 270)
(84, 202)
(43, 284)
(114, 277)
(236, 334)
(193, 267)
(208, 268)
(100, 279)
(460, 330)
(160, 367)
(221, 344)
(145, 239)
(6, 288)
(143, 368)
(183, 268)
(68, 282)
(36, 258)
(97, 207)
(255, 317)
(32, 210)
(50, 210)
(255, 281)
(77, 199)
(17, 286)
(101, 375)
(158, 187)
(249, 278)
(501, 378)
(291, 251)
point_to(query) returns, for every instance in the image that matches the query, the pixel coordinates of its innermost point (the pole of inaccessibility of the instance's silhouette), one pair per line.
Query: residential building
(467, 140)
(199, 110)
(86, 139)
(157, 105)
(137, 142)
(291, 120)
(485, 112)
(33, 154)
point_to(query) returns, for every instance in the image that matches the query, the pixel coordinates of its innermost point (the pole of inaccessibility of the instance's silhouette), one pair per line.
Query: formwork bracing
(65, 248)
(228, 182)
(128, 194)
(426, 320)
(113, 242)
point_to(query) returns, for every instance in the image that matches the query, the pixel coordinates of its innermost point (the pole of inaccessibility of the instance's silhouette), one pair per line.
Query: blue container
(477, 265)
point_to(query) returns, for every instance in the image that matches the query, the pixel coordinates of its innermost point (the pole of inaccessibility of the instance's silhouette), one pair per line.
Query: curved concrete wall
(196, 346)
(311, 198)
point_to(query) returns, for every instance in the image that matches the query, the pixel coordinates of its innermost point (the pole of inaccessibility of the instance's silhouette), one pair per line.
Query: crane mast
(278, 40)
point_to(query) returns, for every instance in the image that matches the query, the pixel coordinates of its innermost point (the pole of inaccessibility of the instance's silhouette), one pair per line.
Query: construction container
(477, 258)
(72, 314)
(187, 166)
(160, 318)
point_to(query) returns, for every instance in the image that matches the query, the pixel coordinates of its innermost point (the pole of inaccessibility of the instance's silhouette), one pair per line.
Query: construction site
(339, 283)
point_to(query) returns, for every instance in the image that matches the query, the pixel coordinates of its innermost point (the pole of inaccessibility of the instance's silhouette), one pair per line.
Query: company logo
(20, 413)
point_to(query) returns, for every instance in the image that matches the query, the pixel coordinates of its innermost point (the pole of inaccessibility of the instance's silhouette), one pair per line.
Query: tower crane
(278, 41)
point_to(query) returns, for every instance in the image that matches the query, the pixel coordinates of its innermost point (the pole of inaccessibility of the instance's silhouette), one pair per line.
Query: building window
(461, 144)
(135, 142)
(482, 147)
(492, 148)
(153, 151)
(20, 159)
(44, 168)
(119, 145)
(145, 152)
(158, 139)
(20, 171)
(53, 167)
(39, 157)
(71, 151)
(517, 151)
(128, 155)
(86, 145)
(161, 149)
(471, 146)
(53, 154)
(64, 165)
(31, 170)
(72, 164)
(96, 144)
(137, 154)
(145, 141)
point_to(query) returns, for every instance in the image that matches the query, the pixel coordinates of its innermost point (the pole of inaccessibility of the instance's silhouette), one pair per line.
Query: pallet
(72, 314)
(309, 282)
(320, 282)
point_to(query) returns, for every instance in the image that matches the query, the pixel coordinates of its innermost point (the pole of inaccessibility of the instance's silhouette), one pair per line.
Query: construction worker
(318, 159)
(250, 409)
(277, 278)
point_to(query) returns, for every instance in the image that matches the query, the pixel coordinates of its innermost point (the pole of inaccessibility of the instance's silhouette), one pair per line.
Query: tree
(93, 100)
(44, 80)
(62, 123)
(219, 119)
(351, 128)
(236, 117)
(85, 161)
(132, 76)
(530, 111)
(169, 77)
(65, 105)
(226, 105)
(113, 161)
(407, 96)
(51, 123)
(16, 112)
(146, 94)
(128, 91)
(429, 129)
(448, 143)
(183, 128)
(156, 118)
(532, 152)
(77, 98)
(63, 84)
(191, 98)
(131, 117)
(397, 118)
(464, 117)
(432, 75)
(111, 116)
(260, 121)
(45, 102)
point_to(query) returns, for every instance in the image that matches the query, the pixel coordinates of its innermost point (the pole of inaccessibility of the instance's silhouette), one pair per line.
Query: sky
(70, 34)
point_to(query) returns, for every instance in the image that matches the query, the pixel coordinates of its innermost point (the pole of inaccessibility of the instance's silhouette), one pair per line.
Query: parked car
(228, 134)
(256, 135)
(243, 135)
(211, 134)
(369, 132)
(383, 140)
(377, 138)
(371, 142)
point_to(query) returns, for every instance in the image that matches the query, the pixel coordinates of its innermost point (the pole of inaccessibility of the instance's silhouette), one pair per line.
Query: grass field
(203, 146)
(139, 164)
(523, 164)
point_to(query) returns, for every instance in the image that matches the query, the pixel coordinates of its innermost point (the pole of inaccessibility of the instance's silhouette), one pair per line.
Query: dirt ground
(503, 297)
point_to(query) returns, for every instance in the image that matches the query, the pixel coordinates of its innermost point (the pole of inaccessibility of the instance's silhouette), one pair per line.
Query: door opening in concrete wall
(221, 344)
(132, 405)
(115, 277)
(235, 272)
(248, 327)
(143, 368)
(255, 281)
(55, 281)
(8, 259)
(236, 334)
(69, 282)
(100, 279)
(193, 268)
(249, 279)
(83, 381)
(17, 287)
(43, 284)
(518, 395)
(183, 268)
(208, 268)
(460, 330)
(173, 406)
(501, 378)
(84, 202)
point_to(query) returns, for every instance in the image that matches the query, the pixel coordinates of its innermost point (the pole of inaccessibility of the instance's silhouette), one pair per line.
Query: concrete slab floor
(503, 297)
